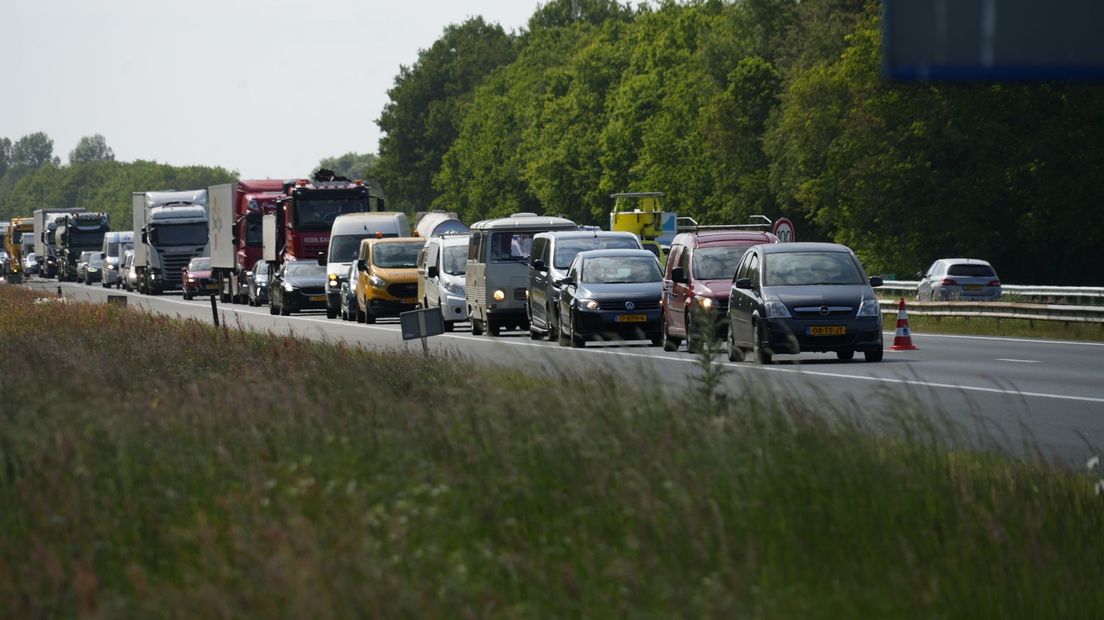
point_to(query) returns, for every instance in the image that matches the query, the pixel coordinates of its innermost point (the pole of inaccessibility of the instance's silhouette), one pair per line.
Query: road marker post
(214, 311)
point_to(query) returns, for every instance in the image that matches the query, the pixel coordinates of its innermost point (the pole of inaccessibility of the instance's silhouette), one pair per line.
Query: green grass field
(151, 467)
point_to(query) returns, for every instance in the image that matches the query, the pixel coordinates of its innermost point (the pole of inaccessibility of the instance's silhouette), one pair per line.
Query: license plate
(973, 287)
(632, 318)
(828, 330)
(211, 287)
(318, 298)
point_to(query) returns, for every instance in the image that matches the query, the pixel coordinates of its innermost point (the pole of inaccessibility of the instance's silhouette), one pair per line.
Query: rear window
(971, 270)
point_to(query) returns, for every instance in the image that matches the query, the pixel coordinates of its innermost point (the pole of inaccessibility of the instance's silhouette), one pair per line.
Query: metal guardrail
(1000, 310)
(907, 288)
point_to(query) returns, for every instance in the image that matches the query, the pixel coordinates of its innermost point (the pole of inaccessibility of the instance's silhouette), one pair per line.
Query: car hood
(820, 294)
(716, 289)
(401, 274)
(643, 290)
(337, 268)
(306, 281)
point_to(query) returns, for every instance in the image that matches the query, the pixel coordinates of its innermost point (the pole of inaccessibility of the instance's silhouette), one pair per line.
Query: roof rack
(689, 224)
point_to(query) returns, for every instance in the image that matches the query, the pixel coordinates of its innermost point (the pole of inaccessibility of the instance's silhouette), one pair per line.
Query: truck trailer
(171, 229)
(235, 231)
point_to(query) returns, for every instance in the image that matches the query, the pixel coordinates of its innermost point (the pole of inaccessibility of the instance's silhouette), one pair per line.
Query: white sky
(267, 87)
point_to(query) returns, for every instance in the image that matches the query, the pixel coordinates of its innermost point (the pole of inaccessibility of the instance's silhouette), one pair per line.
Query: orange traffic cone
(902, 340)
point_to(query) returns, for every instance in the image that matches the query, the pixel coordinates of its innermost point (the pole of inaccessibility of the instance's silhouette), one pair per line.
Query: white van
(115, 245)
(497, 270)
(429, 223)
(441, 265)
(345, 237)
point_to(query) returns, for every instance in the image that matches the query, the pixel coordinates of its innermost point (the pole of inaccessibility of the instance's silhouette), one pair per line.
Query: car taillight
(949, 282)
(993, 283)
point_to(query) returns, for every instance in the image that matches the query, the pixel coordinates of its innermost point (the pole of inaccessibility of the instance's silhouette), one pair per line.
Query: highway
(1050, 391)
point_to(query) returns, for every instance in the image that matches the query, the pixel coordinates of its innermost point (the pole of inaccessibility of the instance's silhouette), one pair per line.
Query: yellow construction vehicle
(13, 245)
(641, 214)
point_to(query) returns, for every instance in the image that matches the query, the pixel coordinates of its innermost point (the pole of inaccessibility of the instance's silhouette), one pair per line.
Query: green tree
(423, 116)
(5, 155)
(351, 165)
(91, 148)
(33, 151)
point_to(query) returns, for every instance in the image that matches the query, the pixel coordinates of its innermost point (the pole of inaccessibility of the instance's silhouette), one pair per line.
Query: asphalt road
(1008, 388)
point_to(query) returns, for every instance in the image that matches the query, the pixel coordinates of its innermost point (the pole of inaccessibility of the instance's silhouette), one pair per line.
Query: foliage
(91, 148)
(207, 472)
(33, 151)
(351, 165)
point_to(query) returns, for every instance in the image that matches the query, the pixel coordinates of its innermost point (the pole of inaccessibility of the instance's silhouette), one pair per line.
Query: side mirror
(875, 281)
(539, 265)
(921, 275)
(743, 283)
(432, 271)
(678, 275)
(322, 259)
(145, 238)
(361, 266)
(102, 255)
(565, 281)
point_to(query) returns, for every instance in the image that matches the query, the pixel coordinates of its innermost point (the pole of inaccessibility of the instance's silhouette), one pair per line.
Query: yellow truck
(387, 277)
(13, 245)
(641, 214)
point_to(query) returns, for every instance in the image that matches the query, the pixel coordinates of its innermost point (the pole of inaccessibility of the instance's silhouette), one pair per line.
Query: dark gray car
(803, 297)
(611, 293)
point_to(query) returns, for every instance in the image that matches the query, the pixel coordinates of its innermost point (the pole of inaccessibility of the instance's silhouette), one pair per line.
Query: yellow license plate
(972, 287)
(318, 298)
(829, 330)
(632, 318)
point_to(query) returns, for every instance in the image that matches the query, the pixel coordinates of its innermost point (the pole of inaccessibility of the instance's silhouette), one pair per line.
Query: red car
(697, 282)
(197, 278)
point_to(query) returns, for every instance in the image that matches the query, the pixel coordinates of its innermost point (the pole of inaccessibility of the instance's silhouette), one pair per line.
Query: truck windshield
(566, 250)
(179, 234)
(717, 263)
(253, 230)
(319, 213)
(85, 238)
(396, 255)
(456, 257)
(112, 250)
(344, 248)
(17, 236)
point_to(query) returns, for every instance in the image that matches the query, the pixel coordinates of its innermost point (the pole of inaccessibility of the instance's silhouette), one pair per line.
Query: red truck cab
(697, 281)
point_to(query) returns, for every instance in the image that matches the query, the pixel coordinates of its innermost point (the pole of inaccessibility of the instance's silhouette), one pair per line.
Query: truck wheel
(331, 313)
(494, 328)
(187, 295)
(476, 327)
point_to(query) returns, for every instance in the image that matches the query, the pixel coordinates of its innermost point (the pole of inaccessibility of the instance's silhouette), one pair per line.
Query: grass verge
(161, 468)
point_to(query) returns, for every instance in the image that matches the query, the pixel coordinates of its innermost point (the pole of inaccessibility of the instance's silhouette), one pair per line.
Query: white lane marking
(1016, 361)
(1084, 343)
(745, 366)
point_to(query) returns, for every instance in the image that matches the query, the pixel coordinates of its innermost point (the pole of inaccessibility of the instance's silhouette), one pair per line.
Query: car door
(432, 258)
(739, 304)
(924, 288)
(567, 295)
(676, 299)
(538, 283)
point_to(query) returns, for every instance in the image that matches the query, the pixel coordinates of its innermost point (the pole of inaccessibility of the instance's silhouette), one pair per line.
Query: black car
(803, 297)
(257, 279)
(611, 293)
(297, 285)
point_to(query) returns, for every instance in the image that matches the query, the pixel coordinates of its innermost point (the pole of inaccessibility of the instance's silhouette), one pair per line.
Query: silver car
(130, 276)
(959, 279)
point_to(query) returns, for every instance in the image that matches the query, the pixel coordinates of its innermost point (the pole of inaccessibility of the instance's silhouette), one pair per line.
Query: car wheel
(331, 313)
(669, 343)
(577, 341)
(476, 327)
(735, 353)
(693, 340)
(553, 321)
(761, 354)
(656, 338)
(563, 337)
(845, 356)
(369, 318)
(873, 356)
(534, 334)
(360, 316)
(187, 295)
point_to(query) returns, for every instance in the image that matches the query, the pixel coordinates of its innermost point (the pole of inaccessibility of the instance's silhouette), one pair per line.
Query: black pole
(214, 311)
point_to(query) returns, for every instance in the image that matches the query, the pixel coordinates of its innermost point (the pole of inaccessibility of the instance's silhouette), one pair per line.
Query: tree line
(737, 108)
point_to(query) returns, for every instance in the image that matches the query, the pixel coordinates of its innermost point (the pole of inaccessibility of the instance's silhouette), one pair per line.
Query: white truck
(170, 229)
(45, 241)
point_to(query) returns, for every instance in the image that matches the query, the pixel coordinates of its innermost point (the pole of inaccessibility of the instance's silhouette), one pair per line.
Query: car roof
(805, 246)
(720, 237)
(624, 252)
(585, 234)
(964, 261)
(523, 221)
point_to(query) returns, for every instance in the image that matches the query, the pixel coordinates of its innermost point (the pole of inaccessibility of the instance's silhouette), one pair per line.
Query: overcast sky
(266, 87)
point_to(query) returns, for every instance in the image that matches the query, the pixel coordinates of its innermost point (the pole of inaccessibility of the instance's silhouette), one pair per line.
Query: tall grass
(159, 468)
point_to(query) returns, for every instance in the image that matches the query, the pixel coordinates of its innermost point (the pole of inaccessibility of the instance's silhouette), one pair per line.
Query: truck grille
(403, 290)
(171, 268)
(519, 294)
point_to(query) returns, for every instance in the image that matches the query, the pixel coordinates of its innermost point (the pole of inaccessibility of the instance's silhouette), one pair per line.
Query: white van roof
(522, 221)
(369, 222)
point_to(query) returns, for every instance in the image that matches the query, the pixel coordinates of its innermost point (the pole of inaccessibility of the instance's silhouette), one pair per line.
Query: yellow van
(387, 279)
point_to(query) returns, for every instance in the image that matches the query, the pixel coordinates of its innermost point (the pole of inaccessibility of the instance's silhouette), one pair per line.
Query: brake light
(948, 282)
(993, 283)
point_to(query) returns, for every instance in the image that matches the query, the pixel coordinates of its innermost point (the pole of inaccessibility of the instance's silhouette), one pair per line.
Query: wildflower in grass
(1093, 463)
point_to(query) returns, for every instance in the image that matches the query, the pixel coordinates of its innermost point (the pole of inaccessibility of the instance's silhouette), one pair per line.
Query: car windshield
(262, 268)
(509, 247)
(621, 270)
(567, 249)
(179, 234)
(971, 270)
(810, 268)
(344, 248)
(95, 261)
(200, 264)
(319, 213)
(396, 255)
(456, 257)
(717, 263)
(301, 269)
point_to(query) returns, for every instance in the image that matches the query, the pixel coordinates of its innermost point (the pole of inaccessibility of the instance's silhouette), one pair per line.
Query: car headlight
(377, 281)
(288, 287)
(499, 295)
(589, 304)
(190, 279)
(455, 288)
(870, 307)
(705, 302)
(335, 283)
(776, 309)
